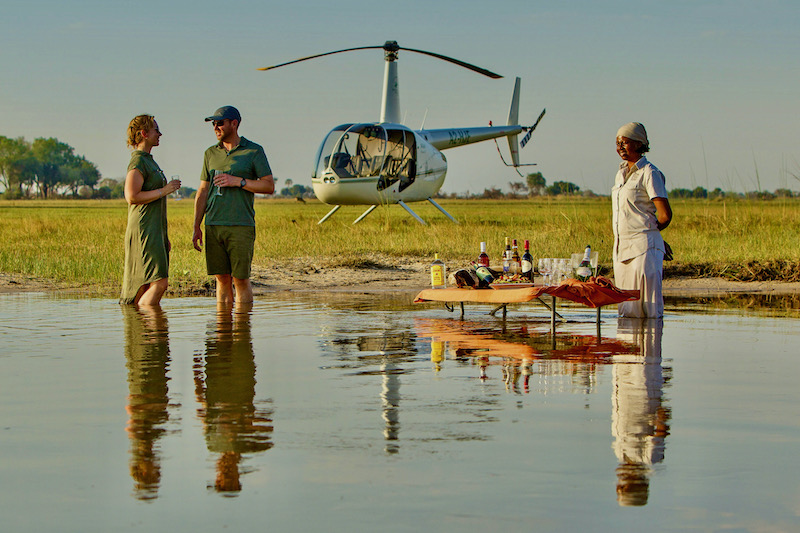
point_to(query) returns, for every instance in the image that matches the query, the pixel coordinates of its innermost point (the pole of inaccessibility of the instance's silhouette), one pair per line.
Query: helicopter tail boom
(453, 137)
(513, 120)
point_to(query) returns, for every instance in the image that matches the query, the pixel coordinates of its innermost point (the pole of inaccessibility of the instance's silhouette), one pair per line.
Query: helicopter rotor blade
(321, 55)
(391, 46)
(458, 62)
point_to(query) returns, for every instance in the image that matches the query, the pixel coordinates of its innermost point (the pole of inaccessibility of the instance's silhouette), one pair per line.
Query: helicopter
(385, 162)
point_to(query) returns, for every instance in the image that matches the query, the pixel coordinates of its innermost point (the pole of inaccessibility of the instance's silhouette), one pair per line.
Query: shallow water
(352, 413)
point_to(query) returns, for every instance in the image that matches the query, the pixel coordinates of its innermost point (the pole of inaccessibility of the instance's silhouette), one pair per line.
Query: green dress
(146, 255)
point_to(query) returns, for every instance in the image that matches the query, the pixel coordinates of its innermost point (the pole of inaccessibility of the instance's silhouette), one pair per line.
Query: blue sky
(715, 83)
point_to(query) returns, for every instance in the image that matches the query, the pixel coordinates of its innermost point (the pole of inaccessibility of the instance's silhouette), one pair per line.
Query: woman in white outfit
(640, 211)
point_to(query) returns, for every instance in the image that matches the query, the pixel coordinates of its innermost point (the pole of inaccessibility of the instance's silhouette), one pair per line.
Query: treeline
(535, 185)
(43, 168)
(701, 192)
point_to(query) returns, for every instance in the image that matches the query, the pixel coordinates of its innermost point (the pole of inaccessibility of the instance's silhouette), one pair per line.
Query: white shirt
(633, 211)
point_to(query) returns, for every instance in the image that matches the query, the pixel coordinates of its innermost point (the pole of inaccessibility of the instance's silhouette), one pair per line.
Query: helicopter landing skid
(330, 213)
(440, 208)
(402, 204)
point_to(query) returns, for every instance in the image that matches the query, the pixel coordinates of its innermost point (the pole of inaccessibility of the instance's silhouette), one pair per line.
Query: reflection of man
(226, 392)
(639, 419)
(238, 168)
(147, 359)
(390, 408)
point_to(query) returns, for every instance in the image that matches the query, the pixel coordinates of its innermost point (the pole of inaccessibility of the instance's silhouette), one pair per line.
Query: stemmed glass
(558, 271)
(178, 192)
(215, 174)
(545, 267)
(594, 260)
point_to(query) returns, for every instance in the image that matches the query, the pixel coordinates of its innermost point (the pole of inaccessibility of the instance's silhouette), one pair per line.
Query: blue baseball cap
(226, 111)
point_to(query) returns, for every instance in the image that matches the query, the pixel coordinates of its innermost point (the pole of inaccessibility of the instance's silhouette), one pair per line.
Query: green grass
(81, 242)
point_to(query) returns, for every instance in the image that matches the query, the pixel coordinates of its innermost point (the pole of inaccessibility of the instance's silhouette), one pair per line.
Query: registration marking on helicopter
(459, 137)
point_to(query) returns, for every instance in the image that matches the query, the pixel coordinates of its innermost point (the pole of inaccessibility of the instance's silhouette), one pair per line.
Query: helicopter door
(400, 162)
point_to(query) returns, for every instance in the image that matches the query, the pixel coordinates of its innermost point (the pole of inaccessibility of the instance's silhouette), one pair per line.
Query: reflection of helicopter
(386, 162)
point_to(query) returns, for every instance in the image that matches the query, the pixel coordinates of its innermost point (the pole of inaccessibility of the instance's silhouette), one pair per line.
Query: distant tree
(716, 193)
(17, 164)
(536, 184)
(699, 192)
(296, 191)
(562, 187)
(79, 173)
(680, 193)
(494, 193)
(517, 188)
(784, 193)
(54, 158)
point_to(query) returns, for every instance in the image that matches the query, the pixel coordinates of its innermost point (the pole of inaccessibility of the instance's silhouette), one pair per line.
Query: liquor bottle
(437, 273)
(483, 259)
(527, 263)
(483, 274)
(507, 258)
(516, 262)
(584, 270)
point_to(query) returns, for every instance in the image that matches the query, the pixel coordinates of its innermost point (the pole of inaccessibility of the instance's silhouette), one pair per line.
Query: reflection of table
(597, 292)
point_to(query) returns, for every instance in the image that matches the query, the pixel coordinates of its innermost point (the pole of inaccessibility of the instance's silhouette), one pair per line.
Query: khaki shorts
(229, 250)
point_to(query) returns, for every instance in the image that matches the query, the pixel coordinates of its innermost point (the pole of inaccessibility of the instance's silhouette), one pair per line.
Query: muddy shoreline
(404, 276)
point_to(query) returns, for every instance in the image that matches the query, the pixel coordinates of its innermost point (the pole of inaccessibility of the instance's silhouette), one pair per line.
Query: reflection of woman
(147, 355)
(640, 415)
(145, 278)
(640, 211)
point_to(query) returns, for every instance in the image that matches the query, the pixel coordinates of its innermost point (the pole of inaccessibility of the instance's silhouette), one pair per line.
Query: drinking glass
(216, 173)
(575, 262)
(545, 266)
(594, 259)
(563, 269)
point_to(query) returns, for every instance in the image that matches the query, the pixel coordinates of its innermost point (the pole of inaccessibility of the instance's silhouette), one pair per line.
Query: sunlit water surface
(356, 413)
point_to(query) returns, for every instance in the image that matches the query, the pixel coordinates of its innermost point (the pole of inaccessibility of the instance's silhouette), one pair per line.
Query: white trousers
(644, 273)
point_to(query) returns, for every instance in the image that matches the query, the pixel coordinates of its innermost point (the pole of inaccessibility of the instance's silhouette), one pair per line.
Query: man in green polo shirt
(234, 170)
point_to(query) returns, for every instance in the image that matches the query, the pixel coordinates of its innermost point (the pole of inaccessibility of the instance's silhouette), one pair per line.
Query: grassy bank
(81, 241)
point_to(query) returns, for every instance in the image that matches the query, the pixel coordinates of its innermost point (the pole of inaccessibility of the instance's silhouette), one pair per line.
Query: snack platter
(501, 285)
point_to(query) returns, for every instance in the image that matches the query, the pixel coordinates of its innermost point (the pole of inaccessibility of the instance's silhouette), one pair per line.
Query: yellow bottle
(437, 273)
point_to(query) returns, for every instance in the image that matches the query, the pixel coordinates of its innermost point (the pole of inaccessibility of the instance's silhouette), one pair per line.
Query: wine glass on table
(545, 267)
(594, 260)
(562, 269)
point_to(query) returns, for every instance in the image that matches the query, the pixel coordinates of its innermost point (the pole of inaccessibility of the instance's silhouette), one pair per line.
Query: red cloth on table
(596, 292)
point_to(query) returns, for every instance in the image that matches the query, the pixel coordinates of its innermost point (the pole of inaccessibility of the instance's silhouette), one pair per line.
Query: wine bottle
(484, 275)
(437, 273)
(584, 270)
(507, 258)
(516, 262)
(527, 263)
(483, 259)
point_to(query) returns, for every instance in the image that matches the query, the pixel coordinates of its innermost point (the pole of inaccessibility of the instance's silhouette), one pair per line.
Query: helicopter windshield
(368, 150)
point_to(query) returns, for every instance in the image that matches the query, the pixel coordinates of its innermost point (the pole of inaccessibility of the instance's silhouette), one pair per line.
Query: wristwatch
(243, 183)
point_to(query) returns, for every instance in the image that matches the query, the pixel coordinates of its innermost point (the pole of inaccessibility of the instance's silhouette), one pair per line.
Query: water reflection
(147, 359)
(516, 347)
(392, 351)
(640, 417)
(235, 423)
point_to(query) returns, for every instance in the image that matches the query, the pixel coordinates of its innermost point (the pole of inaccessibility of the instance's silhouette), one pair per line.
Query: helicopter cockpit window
(400, 162)
(327, 149)
(369, 150)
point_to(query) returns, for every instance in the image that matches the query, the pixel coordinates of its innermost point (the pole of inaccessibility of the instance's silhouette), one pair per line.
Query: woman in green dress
(147, 247)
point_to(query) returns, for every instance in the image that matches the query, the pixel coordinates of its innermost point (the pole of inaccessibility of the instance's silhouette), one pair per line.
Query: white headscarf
(634, 131)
